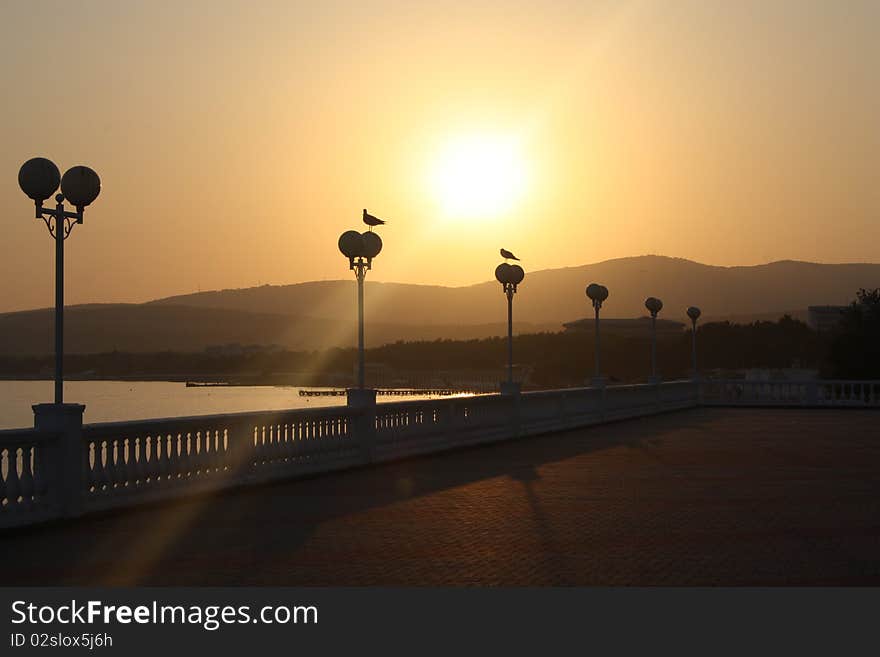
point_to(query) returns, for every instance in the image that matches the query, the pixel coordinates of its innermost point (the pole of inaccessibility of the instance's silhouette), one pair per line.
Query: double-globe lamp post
(597, 294)
(80, 185)
(654, 306)
(694, 313)
(360, 249)
(509, 276)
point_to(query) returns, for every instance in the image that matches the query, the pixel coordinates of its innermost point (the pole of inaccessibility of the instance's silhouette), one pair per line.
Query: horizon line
(437, 285)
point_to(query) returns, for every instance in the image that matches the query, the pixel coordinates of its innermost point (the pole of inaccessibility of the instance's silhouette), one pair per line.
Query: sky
(236, 140)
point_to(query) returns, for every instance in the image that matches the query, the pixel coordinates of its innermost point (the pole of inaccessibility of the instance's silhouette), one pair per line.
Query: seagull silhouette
(507, 255)
(371, 221)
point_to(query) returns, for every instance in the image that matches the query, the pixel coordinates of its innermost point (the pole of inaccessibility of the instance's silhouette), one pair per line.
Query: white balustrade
(824, 393)
(26, 464)
(126, 463)
(153, 459)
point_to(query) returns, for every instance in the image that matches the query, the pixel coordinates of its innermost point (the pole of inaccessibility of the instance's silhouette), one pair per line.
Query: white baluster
(26, 479)
(13, 489)
(3, 490)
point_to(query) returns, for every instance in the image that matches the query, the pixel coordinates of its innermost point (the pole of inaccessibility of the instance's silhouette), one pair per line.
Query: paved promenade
(701, 497)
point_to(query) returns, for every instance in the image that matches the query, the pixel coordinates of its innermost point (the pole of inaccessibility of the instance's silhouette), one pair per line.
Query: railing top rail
(201, 420)
(390, 407)
(531, 394)
(10, 435)
(25, 435)
(797, 381)
(14, 433)
(346, 411)
(647, 384)
(553, 392)
(620, 386)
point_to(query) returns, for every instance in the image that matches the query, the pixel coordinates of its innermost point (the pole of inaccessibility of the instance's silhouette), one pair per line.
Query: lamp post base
(596, 382)
(511, 388)
(654, 380)
(360, 397)
(64, 456)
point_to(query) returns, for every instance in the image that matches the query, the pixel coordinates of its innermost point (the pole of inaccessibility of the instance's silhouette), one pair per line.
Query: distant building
(824, 318)
(639, 327)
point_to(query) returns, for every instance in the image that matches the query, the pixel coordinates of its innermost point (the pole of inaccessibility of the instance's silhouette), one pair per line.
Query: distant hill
(322, 313)
(154, 327)
(557, 295)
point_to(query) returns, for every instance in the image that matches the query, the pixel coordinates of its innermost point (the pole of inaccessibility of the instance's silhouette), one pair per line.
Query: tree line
(552, 359)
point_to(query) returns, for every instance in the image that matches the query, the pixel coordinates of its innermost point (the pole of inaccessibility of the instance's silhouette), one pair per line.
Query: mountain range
(321, 314)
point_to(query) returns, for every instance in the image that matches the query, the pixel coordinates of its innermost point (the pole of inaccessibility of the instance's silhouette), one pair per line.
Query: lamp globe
(597, 292)
(80, 185)
(503, 273)
(516, 274)
(351, 244)
(372, 244)
(38, 178)
(654, 305)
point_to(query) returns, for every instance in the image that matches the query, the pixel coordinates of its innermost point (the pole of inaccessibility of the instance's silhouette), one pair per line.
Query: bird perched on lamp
(371, 221)
(507, 255)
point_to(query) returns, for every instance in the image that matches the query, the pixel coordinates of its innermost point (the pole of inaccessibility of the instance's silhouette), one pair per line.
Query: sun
(478, 176)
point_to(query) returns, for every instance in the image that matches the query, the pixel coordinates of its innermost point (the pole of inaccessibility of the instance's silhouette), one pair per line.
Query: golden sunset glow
(730, 133)
(478, 176)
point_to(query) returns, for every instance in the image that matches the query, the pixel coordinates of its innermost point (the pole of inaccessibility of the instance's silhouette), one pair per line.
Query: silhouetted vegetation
(564, 359)
(855, 346)
(553, 359)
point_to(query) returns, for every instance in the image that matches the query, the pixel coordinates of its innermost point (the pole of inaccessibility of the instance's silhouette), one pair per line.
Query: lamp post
(509, 276)
(360, 249)
(654, 306)
(694, 313)
(38, 179)
(597, 294)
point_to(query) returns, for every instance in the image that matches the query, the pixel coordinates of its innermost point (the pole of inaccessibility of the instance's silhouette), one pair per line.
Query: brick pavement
(700, 497)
